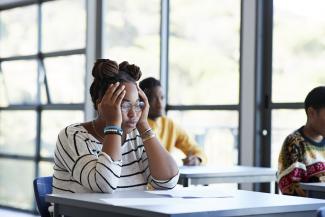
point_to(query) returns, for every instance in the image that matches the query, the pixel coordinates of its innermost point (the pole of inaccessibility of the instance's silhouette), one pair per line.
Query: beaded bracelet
(113, 130)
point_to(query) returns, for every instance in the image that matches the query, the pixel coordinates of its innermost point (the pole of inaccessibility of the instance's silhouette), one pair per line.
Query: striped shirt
(80, 165)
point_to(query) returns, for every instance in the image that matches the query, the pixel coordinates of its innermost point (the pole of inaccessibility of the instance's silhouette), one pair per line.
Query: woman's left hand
(142, 124)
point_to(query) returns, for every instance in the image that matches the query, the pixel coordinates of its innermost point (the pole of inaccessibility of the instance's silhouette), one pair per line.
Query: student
(118, 150)
(168, 132)
(302, 157)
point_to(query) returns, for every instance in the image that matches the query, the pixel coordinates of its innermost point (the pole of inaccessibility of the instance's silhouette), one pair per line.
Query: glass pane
(3, 91)
(18, 132)
(204, 52)
(64, 25)
(284, 122)
(18, 31)
(131, 33)
(52, 123)
(298, 47)
(66, 78)
(215, 131)
(20, 81)
(16, 183)
(46, 168)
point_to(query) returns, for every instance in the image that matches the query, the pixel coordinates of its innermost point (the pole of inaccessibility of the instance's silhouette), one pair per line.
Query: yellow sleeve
(188, 145)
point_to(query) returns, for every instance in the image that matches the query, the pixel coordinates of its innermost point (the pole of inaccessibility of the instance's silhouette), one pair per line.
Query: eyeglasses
(137, 107)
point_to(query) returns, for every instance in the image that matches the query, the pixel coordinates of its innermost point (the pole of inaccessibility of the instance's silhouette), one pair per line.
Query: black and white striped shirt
(81, 166)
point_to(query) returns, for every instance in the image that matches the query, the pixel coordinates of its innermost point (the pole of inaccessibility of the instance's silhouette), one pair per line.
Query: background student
(302, 157)
(170, 134)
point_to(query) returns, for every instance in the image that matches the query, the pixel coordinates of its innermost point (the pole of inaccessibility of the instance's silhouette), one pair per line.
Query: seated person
(302, 157)
(168, 132)
(118, 150)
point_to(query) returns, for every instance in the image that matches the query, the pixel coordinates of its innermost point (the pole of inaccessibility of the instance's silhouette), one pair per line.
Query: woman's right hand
(109, 107)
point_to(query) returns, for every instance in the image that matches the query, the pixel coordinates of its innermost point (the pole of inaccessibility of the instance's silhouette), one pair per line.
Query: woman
(118, 150)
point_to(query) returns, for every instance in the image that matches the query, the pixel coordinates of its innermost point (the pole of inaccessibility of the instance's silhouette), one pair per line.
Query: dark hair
(315, 98)
(148, 84)
(106, 72)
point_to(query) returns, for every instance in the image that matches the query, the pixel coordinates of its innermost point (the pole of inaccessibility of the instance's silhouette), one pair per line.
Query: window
(15, 174)
(62, 29)
(20, 82)
(216, 132)
(21, 140)
(204, 53)
(131, 33)
(41, 90)
(298, 64)
(67, 72)
(18, 24)
(204, 71)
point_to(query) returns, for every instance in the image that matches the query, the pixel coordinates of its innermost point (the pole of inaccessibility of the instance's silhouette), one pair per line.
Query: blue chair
(42, 187)
(321, 212)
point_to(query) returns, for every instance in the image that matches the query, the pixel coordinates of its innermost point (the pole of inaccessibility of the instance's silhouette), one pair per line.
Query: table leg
(187, 182)
(56, 210)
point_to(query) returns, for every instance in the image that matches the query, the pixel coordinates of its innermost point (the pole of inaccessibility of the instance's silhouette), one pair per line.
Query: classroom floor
(11, 213)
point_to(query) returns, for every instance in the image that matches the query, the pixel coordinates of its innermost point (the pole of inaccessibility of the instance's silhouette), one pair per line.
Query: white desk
(201, 175)
(315, 190)
(242, 203)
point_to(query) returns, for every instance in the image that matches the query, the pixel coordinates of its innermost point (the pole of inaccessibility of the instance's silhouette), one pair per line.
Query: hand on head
(109, 108)
(144, 115)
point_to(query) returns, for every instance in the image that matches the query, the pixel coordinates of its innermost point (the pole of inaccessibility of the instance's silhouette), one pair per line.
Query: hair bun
(133, 70)
(104, 68)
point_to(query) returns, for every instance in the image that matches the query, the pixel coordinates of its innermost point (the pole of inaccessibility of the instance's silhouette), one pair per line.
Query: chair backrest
(321, 212)
(42, 187)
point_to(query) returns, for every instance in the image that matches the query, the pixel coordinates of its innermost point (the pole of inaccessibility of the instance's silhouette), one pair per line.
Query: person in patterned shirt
(302, 157)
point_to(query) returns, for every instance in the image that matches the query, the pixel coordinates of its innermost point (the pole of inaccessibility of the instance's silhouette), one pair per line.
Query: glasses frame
(127, 106)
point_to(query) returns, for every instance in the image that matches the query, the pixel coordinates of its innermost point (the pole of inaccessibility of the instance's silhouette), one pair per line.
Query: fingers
(113, 93)
(120, 98)
(142, 95)
(110, 91)
(117, 94)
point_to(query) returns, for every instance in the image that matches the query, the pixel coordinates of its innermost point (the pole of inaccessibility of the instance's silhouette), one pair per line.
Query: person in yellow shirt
(169, 133)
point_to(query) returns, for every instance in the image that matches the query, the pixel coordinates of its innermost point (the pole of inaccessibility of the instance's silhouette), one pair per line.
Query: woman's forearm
(161, 163)
(112, 146)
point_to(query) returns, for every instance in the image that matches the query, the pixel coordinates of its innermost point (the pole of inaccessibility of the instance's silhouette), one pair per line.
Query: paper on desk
(142, 201)
(192, 193)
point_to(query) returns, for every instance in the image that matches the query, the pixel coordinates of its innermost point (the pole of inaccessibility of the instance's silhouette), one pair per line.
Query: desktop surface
(236, 203)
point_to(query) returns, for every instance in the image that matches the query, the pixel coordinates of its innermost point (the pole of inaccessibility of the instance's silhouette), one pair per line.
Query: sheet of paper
(142, 201)
(192, 193)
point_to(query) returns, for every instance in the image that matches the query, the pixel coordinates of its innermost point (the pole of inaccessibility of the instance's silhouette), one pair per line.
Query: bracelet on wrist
(146, 131)
(147, 134)
(111, 129)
